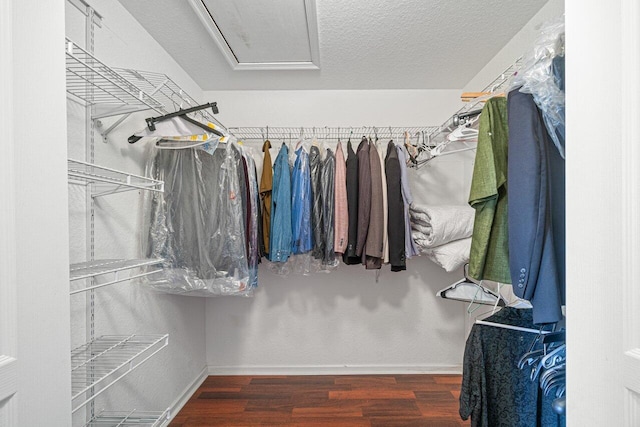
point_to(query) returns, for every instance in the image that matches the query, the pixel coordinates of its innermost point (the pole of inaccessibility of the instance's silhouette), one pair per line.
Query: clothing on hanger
(489, 257)
(411, 249)
(492, 382)
(280, 235)
(341, 220)
(385, 205)
(254, 221)
(301, 205)
(374, 247)
(396, 213)
(327, 177)
(364, 196)
(316, 191)
(350, 256)
(195, 226)
(536, 223)
(266, 186)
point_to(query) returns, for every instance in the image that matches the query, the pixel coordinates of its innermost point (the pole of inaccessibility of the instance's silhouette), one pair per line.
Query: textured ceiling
(364, 44)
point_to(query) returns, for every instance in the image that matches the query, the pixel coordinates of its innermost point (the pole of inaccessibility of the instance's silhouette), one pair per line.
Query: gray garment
(410, 246)
(328, 207)
(364, 196)
(374, 249)
(196, 225)
(315, 165)
(396, 211)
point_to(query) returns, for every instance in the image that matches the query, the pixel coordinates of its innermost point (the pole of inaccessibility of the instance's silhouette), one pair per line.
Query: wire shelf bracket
(131, 418)
(99, 364)
(93, 269)
(109, 181)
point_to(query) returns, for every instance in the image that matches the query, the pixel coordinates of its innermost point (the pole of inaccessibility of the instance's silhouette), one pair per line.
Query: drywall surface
(521, 43)
(346, 321)
(128, 308)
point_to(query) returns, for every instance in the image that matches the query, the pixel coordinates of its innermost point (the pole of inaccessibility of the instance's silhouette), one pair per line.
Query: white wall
(41, 235)
(127, 308)
(394, 325)
(516, 47)
(344, 321)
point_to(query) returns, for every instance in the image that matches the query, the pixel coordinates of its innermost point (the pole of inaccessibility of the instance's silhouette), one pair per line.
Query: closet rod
(275, 133)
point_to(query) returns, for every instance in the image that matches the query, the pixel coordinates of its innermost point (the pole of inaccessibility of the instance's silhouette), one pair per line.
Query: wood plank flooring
(325, 400)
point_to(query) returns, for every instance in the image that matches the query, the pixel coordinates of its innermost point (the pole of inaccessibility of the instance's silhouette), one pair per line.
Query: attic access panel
(263, 34)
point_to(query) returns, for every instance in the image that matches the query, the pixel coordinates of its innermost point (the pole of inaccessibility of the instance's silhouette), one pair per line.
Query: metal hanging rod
(327, 133)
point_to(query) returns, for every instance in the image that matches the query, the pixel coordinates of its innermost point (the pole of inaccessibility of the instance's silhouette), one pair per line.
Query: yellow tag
(223, 139)
(211, 125)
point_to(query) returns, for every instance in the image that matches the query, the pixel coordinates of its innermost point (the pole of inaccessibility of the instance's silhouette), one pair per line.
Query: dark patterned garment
(495, 393)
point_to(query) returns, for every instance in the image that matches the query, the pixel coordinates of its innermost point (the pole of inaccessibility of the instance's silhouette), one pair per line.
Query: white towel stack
(443, 233)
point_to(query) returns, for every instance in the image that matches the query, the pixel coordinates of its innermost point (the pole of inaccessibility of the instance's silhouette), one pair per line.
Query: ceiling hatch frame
(312, 27)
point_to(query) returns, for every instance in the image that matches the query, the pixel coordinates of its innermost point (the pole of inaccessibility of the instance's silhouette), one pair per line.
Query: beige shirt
(385, 207)
(341, 219)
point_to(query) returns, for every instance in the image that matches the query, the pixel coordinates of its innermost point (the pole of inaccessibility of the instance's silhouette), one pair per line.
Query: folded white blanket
(442, 224)
(450, 256)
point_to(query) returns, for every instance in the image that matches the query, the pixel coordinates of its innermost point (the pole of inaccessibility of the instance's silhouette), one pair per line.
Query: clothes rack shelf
(99, 364)
(96, 268)
(109, 181)
(106, 359)
(327, 133)
(127, 419)
(93, 83)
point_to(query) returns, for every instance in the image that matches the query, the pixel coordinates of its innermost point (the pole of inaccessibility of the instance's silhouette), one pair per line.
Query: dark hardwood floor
(325, 400)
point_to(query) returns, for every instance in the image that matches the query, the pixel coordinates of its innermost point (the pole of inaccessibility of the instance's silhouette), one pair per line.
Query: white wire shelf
(93, 83)
(109, 181)
(126, 419)
(99, 364)
(86, 270)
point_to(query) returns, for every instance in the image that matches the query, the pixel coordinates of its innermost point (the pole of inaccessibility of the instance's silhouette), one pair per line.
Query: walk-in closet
(319, 213)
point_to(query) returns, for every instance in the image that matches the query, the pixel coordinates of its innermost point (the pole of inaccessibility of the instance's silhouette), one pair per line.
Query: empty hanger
(467, 290)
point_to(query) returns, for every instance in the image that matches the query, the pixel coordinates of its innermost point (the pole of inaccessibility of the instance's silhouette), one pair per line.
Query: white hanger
(468, 290)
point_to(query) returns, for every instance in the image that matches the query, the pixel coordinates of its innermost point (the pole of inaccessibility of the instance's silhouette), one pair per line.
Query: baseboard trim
(186, 394)
(335, 370)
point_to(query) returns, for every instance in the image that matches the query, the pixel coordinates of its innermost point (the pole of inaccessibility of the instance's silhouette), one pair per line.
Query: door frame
(8, 272)
(630, 79)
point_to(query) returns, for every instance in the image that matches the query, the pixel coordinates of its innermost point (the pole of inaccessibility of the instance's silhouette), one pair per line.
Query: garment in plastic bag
(197, 225)
(536, 76)
(254, 220)
(327, 177)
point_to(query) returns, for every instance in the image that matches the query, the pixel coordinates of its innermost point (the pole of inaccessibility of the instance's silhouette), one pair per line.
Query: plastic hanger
(467, 290)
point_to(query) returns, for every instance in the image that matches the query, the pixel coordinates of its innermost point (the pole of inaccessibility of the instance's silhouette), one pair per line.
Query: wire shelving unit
(93, 83)
(99, 364)
(127, 419)
(107, 180)
(102, 267)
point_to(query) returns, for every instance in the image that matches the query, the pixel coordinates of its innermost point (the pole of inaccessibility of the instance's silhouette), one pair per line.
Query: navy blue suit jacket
(536, 211)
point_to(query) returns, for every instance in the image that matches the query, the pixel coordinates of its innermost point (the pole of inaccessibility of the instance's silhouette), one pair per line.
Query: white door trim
(8, 273)
(630, 132)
